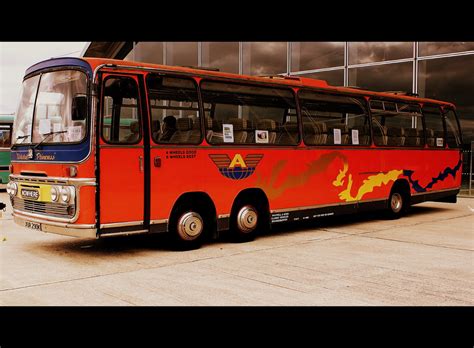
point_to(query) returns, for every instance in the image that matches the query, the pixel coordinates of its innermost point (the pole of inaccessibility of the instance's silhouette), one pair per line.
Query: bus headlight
(54, 193)
(12, 188)
(67, 194)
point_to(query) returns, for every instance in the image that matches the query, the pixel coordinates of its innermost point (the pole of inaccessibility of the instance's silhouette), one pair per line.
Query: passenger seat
(412, 137)
(395, 136)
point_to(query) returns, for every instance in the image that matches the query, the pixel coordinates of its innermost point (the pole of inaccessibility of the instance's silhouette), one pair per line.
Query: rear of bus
(52, 184)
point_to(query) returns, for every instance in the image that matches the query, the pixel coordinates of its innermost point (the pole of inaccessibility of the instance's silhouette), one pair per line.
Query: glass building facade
(439, 70)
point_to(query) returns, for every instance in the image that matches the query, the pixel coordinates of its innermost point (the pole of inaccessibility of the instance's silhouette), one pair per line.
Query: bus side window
(334, 119)
(121, 117)
(434, 126)
(396, 123)
(248, 114)
(452, 131)
(174, 106)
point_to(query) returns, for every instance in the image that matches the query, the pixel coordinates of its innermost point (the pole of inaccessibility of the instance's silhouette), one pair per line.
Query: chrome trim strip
(121, 224)
(116, 234)
(223, 216)
(77, 182)
(324, 205)
(443, 190)
(162, 221)
(85, 231)
(48, 218)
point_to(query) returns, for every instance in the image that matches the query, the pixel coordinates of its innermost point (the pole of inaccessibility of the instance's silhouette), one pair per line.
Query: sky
(16, 57)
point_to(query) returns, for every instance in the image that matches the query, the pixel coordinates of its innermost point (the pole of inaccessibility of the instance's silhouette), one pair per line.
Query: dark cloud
(368, 52)
(316, 55)
(264, 58)
(221, 55)
(432, 48)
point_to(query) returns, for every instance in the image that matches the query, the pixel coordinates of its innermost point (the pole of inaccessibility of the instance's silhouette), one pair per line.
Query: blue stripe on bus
(56, 62)
(60, 152)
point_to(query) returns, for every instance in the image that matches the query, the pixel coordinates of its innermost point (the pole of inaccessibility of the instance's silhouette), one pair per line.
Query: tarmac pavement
(423, 259)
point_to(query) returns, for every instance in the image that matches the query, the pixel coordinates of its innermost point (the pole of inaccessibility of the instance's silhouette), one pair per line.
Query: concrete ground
(423, 259)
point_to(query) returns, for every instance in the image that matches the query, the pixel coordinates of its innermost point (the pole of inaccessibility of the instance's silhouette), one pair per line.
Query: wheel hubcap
(190, 225)
(396, 202)
(247, 219)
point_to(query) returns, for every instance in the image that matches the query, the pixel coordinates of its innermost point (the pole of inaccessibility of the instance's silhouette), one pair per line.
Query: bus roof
(293, 81)
(7, 118)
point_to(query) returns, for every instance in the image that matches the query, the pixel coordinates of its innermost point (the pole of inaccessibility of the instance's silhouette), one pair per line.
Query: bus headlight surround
(54, 193)
(67, 194)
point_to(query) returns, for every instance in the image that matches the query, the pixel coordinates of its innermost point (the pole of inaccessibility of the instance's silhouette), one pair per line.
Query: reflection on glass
(431, 48)
(316, 55)
(368, 52)
(147, 52)
(389, 77)
(24, 114)
(221, 55)
(182, 53)
(264, 58)
(451, 79)
(333, 77)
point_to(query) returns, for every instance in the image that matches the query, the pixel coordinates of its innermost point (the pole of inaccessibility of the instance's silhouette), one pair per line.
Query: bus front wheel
(187, 229)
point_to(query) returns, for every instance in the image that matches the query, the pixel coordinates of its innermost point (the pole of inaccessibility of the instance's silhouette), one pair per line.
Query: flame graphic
(314, 167)
(318, 166)
(368, 184)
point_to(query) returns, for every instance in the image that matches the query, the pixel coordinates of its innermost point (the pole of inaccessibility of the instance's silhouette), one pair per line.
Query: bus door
(121, 155)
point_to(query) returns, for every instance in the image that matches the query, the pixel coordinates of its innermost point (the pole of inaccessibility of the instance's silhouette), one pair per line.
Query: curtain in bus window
(333, 120)
(248, 114)
(174, 110)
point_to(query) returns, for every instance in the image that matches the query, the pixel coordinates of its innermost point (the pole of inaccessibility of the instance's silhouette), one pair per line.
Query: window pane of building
(388, 77)
(333, 77)
(316, 55)
(264, 58)
(432, 48)
(221, 55)
(368, 52)
(182, 53)
(147, 52)
(451, 79)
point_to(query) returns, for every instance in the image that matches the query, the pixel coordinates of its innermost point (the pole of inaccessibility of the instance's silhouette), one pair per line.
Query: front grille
(44, 208)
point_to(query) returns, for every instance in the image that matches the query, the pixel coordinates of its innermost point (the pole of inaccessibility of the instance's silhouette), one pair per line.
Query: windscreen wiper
(18, 138)
(22, 137)
(46, 136)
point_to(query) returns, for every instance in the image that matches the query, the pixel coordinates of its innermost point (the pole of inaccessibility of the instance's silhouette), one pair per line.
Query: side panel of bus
(299, 178)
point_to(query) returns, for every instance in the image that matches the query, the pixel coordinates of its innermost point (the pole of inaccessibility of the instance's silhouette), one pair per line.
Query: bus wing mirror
(79, 108)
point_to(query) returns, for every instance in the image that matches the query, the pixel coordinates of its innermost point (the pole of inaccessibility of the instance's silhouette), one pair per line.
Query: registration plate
(30, 194)
(33, 225)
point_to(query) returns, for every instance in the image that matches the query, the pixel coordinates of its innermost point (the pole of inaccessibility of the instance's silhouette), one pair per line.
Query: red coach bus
(109, 147)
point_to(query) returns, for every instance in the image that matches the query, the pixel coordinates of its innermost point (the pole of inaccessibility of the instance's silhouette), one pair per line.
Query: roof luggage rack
(408, 94)
(200, 67)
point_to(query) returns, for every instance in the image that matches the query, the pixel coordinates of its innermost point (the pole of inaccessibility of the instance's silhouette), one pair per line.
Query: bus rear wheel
(397, 203)
(244, 223)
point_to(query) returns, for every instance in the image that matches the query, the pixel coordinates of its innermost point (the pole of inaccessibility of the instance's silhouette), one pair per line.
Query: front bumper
(72, 230)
